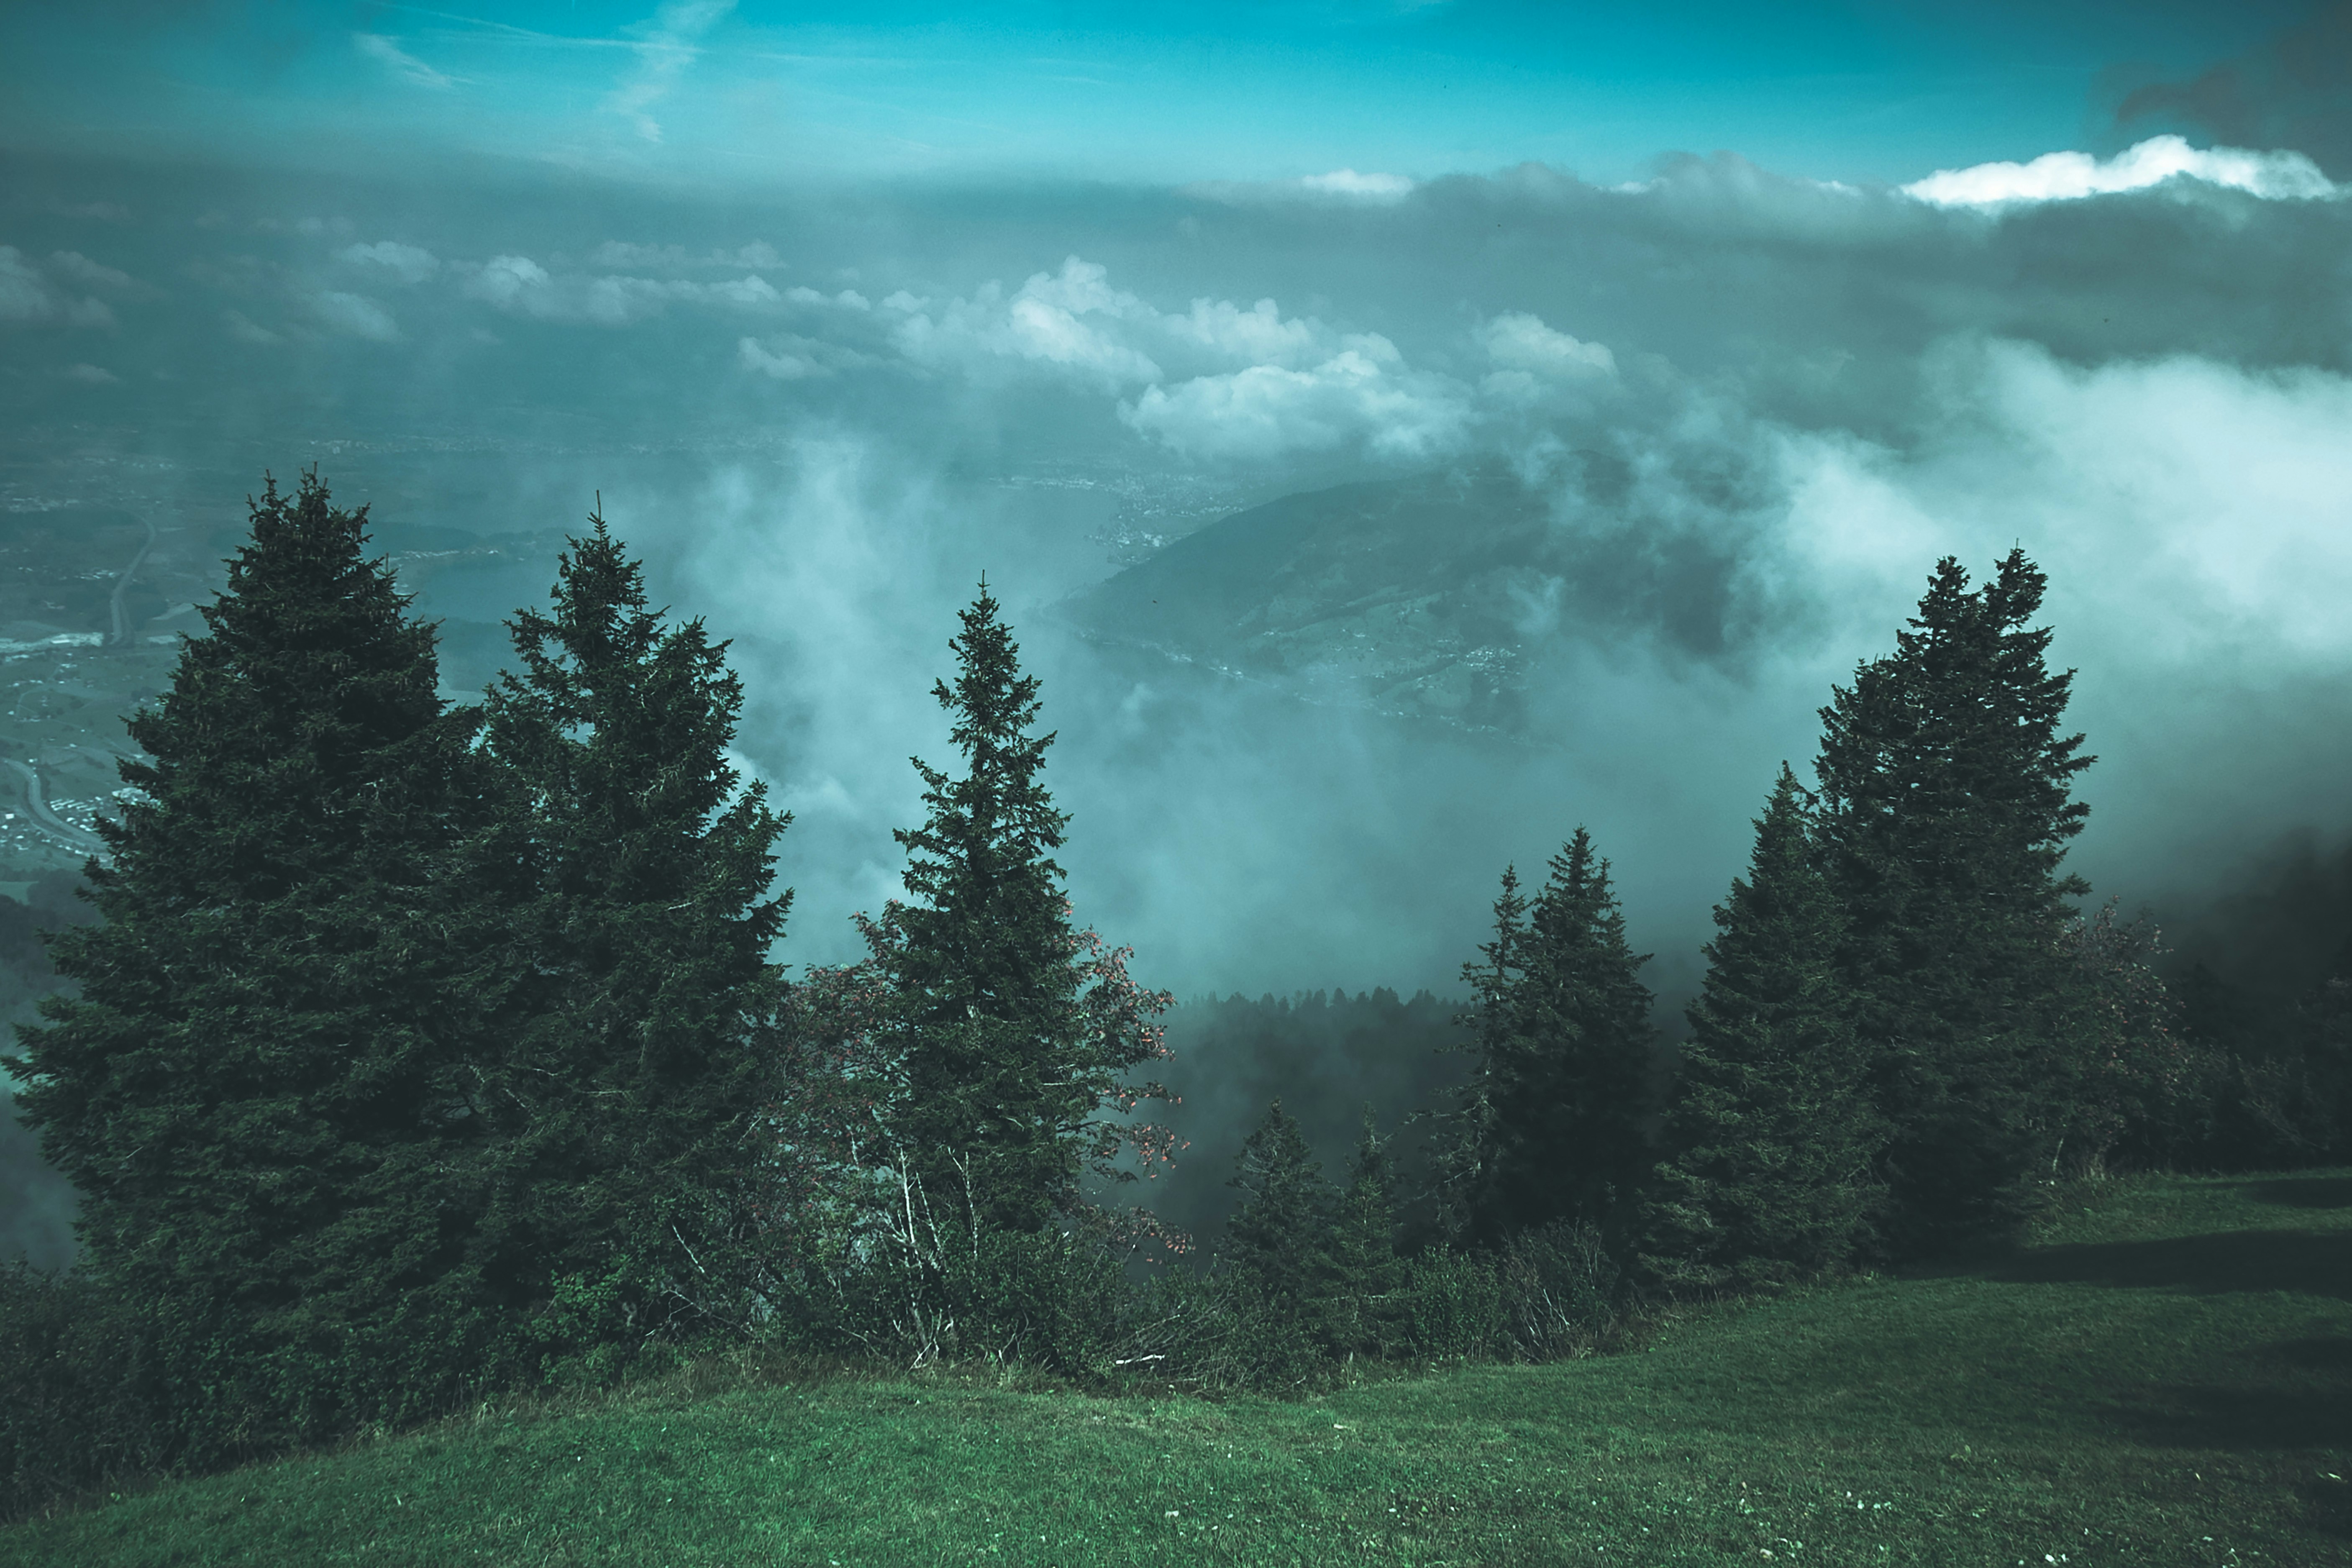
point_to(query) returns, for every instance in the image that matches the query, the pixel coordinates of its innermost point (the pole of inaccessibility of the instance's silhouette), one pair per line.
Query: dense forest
(413, 1050)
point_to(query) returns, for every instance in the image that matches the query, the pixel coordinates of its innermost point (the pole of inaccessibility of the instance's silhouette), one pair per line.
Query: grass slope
(2163, 1379)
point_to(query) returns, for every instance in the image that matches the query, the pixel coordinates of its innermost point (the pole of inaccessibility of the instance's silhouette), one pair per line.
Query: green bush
(81, 1407)
(1452, 1305)
(1559, 1291)
(1043, 1299)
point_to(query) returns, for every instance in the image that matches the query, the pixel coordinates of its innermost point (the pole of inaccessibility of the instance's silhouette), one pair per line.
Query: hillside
(2162, 1380)
(1406, 596)
(1426, 597)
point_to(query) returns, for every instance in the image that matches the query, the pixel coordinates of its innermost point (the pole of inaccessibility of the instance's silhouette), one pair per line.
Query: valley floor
(2164, 1378)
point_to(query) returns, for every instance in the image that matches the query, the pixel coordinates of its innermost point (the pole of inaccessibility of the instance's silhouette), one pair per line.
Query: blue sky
(708, 92)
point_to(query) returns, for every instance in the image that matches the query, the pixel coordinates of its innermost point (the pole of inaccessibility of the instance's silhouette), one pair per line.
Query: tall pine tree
(1014, 1027)
(263, 1082)
(1770, 1136)
(1946, 808)
(1366, 1270)
(1552, 1124)
(640, 1046)
(1278, 1240)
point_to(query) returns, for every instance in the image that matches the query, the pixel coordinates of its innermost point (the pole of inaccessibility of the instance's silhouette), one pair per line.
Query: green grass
(2163, 1380)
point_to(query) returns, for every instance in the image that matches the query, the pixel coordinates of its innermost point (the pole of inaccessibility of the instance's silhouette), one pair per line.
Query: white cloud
(521, 286)
(1073, 320)
(28, 297)
(849, 298)
(511, 283)
(1258, 335)
(24, 294)
(1363, 187)
(403, 263)
(352, 316)
(1519, 340)
(787, 356)
(1218, 379)
(1340, 186)
(2193, 516)
(402, 65)
(82, 270)
(662, 57)
(247, 330)
(1363, 394)
(777, 361)
(2066, 177)
(90, 375)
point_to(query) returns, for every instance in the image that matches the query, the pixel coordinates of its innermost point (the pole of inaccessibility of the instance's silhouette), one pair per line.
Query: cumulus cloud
(777, 360)
(1221, 380)
(849, 298)
(401, 263)
(73, 264)
(1072, 321)
(2205, 513)
(1340, 186)
(403, 65)
(90, 375)
(1347, 183)
(789, 357)
(1075, 323)
(245, 329)
(2070, 176)
(662, 57)
(1362, 395)
(24, 294)
(352, 316)
(1530, 358)
(512, 283)
(520, 286)
(29, 297)
(1259, 335)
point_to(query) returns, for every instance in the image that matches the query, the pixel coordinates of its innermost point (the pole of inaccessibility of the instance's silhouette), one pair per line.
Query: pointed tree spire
(263, 1084)
(1563, 1035)
(636, 1064)
(1015, 1028)
(1947, 784)
(1770, 1136)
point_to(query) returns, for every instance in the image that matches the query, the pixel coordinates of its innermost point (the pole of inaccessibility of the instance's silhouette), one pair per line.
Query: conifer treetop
(996, 817)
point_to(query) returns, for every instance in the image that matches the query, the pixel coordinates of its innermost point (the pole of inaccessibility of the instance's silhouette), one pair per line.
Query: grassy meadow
(2164, 1377)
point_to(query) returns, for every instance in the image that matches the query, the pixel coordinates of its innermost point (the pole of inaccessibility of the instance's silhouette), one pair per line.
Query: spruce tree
(1280, 1236)
(1553, 1129)
(1770, 1136)
(1945, 789)
(263, 1084)
(1014, 1027)
(1365, 1268)
(641, 1042)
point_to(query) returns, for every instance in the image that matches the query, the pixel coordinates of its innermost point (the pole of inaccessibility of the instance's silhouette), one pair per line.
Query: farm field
(2162, 1378)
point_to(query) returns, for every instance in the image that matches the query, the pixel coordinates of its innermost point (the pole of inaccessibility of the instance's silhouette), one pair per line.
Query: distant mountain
(1425, 596)
(1407, 596)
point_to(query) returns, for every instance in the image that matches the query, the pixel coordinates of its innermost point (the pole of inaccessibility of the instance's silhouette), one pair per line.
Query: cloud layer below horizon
(1764, 404)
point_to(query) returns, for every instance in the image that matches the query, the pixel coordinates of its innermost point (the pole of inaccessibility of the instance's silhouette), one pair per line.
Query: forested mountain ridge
(1408, 597)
